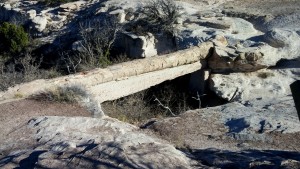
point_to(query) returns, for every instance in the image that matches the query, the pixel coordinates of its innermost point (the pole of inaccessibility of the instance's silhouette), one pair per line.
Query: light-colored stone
(109, 138)
(219, 40)
(261, 86)
(118, 71)
(72, 6)
(40, 23)
(31, 13)
(129, 16)
(241, 26)
(126, 86)
(218, 24)
(279, 38)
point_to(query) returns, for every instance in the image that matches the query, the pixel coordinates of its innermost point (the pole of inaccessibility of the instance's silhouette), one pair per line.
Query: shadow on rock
(225, 159)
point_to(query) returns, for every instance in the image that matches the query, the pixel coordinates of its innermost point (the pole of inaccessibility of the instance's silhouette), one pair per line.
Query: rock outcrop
(82, 142)
(261, 85)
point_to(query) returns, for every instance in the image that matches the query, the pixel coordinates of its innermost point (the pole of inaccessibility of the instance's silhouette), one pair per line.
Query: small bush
(160, 15)
(69, 94)
(22, 69)
(265, 75)
(97, 38)
(13, 38)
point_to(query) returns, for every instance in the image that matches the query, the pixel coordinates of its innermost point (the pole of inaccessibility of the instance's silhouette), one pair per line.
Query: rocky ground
(256, 57)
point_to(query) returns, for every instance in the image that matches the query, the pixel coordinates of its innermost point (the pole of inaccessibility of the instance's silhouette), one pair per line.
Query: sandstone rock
(218, 24)
(226, 59)
(229, 59)
(242, 26)
(279, 38)
(138, 46)
(40, 23)
(71, 6)
(257, 88)
(7, 6)
(31, 14)
(222, 59)
(129, 16)
(107, 137)
(219, 40)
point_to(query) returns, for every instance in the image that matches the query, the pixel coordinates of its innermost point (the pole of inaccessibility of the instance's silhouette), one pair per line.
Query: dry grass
(68, 94)
(142, 106)
(265, 75)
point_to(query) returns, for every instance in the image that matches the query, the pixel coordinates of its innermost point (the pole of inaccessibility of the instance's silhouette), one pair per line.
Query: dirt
(15, 115)
(264, 7)
(256, 7)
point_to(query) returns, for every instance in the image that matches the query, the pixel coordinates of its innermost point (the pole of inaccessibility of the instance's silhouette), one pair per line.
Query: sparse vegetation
(161, 15)
(96, 42)
(158, 16)
(22, 69)
(265, 75)
(66, 94)
(142, 106)
(71, 94)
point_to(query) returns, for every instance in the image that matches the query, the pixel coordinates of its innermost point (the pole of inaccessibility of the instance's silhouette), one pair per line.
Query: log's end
(205, 49)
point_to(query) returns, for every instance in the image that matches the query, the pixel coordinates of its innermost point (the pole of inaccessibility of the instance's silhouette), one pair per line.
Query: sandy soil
(257, 7)
(264, 7)
(15, 115)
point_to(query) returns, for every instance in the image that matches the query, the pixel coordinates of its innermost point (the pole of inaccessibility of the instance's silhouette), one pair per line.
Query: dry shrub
(67, 94)
(265, 75)
(160, 15)
(21, 70)
(138, 108)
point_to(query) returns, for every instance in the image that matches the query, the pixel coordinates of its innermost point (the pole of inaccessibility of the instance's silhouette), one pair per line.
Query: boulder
(241, 26)
(256, 88)
(31, 14)
(129, 16)
(40, 23)
(225, 59)
(71, 6)
(219, 40)
(84, 142)
(279, 38)
(138, 46)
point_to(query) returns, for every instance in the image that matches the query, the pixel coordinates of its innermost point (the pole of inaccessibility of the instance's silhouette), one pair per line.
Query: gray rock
(105, 142)
(225, 59)
(40, 23)
(262, 84)
(279, 38)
